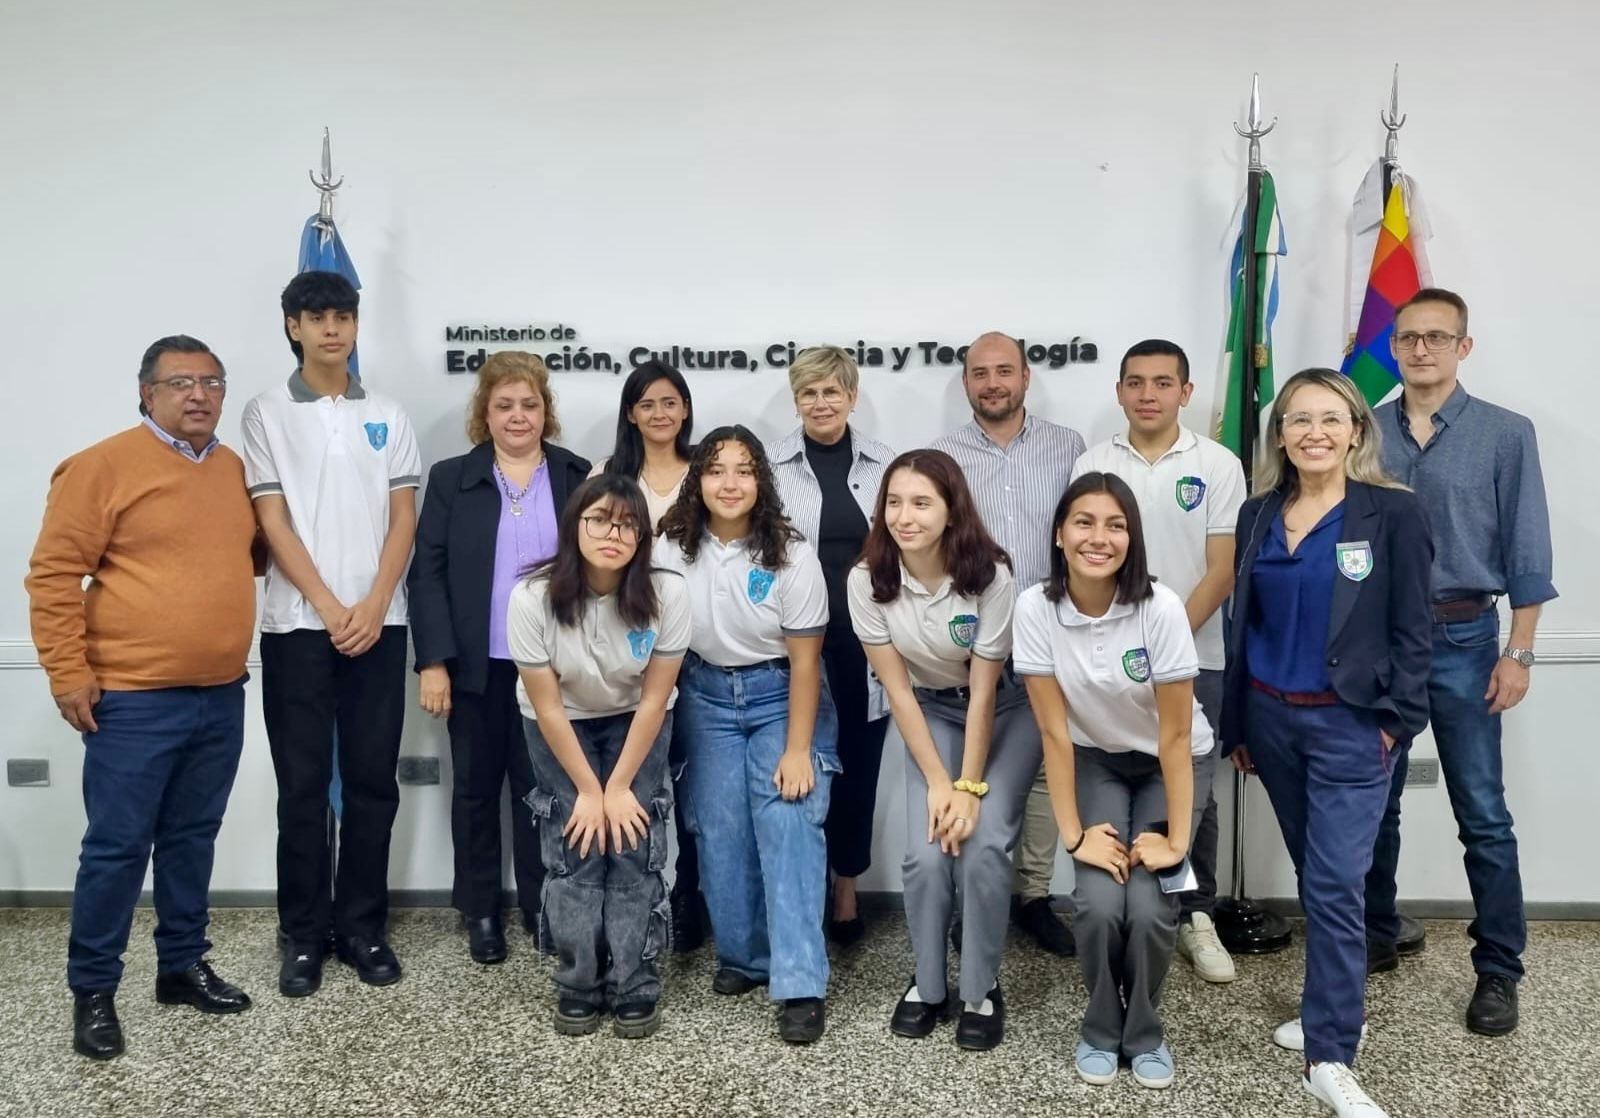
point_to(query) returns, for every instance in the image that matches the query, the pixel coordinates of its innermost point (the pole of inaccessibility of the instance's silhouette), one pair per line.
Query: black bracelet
(1083, 834)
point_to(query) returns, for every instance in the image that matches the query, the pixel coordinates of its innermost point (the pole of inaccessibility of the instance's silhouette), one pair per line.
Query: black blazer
(1380, 630)
(452, 571)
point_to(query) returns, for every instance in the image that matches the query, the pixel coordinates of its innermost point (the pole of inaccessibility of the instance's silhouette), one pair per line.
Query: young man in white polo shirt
(1189, 490)
(333, 471)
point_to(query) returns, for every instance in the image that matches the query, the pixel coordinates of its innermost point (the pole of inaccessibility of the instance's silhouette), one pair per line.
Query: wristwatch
(1523, 656)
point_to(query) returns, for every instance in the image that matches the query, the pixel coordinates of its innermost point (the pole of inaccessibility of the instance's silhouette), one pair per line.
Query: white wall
(733, 174)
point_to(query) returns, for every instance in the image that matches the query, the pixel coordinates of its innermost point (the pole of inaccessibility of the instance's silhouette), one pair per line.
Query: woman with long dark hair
(758, 727)
(1110, 665)
(931, 604)
(655, 419)
(598, 637)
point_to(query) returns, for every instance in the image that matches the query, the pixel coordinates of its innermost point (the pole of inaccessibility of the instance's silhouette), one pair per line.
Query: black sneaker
(636, 1020)
(1413, 937)
(801, 1020)
(917, 1019)
(300, 974)
(733, 983)
(1040, 921)
(1382, 956)
(374, 961)
(979, 1032)
(575, 1017)
(1493, 1009)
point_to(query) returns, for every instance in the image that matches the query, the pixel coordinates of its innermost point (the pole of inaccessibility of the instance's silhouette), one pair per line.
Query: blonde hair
(1364, 462)
(818, 363)
(500, 368)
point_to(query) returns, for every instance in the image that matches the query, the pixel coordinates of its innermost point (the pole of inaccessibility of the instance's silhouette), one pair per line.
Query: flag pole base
(1246, 928)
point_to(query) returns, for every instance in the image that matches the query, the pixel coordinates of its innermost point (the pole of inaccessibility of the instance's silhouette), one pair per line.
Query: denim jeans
(763, 859)
(156, 774)
(612, 904)
(1468, 740)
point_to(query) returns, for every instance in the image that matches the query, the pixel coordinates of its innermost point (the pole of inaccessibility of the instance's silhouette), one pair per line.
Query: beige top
(657, 503)
(936, 632)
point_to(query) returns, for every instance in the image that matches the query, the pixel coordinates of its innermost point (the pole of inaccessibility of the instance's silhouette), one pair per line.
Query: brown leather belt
(1298, 698)
(1462, 609)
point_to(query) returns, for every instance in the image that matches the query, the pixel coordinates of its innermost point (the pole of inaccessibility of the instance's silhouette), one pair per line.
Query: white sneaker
(1198, 942)
(1335, 1086)
(1292, 1036)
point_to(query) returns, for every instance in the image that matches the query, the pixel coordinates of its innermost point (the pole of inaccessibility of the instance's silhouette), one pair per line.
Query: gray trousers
(606, 905)
(1126, 933)
(981, 873)
(1203, 843)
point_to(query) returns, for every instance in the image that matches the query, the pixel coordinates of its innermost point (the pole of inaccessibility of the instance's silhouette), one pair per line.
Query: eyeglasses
(1301, 422)
(601, 527)
(1433, 339)
(809, 398)
(183, 385)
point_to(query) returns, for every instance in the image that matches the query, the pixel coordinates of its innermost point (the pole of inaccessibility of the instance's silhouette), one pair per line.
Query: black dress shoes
(200, 987)
(733, 983)
(917, 1019)
(1413, 937)
(979, 1032)
(96, 1032)
(374, 962)
(300, 973)
(847, 933)
(801, 1020)
(1493, 1009)
(1381, 956)
(486, 939)
(1040, 921)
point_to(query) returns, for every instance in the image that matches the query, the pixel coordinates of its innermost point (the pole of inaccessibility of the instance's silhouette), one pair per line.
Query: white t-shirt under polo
(600, 661)
(1108, 666)
(1190, 493)
(742, 612)
(334, 460)
(936, 632)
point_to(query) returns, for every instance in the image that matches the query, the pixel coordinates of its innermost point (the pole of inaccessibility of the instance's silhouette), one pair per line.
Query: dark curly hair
(770, 530)
(970, 553)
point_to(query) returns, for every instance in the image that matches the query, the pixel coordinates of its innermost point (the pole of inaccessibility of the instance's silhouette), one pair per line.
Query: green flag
(1248, 352)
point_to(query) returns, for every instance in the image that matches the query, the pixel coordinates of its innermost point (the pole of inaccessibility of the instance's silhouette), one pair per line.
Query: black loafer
(733, 983)
(200, 987)
(1381, 956)
(300, 974)
(373, 960)
(96, 1032)
(917, 1019)
(801, 1020)
(977, 1032)
(1493, 1009)
(530, 922)
(689, 921)
(1040, 921)
(636, 1020)
(486, 939)
(1413, 937)
(575, 1017)
(847, 933)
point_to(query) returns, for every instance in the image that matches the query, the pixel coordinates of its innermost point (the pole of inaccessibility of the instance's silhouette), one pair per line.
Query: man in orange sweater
(148, 664)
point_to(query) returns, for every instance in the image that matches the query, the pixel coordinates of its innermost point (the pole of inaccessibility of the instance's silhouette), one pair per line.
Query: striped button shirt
(802, 493)
(1017, 487)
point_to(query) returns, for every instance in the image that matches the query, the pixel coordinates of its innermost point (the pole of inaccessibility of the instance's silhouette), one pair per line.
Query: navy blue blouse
(1291, 597)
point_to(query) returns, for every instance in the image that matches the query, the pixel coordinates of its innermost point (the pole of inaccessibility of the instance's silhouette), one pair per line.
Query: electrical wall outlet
(1422, 772)
(28, 772)
(419, 770)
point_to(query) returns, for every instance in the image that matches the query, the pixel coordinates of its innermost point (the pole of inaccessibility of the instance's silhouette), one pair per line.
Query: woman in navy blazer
(1328, 657)
(489, 515)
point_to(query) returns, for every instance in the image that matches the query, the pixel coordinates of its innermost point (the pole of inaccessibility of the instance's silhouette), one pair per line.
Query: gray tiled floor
(455, 1038)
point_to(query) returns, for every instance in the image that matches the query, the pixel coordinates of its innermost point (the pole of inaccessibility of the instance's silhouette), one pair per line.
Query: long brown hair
(970, 553)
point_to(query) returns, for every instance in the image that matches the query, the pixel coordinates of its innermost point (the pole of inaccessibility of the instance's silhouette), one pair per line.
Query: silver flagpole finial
(1393, 120)
(326, 185)
(1255, 130)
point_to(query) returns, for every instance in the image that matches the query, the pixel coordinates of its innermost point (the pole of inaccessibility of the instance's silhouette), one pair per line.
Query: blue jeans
(606, 905)
(763, 859)
(1468, 740)
(1326, 771)
(156, 774)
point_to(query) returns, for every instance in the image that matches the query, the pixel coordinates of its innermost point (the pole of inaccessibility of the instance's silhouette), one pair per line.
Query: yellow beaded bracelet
(979, 788)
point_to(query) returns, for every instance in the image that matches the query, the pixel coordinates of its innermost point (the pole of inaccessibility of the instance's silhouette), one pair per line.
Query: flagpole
(1393, 120)
(1244, 926)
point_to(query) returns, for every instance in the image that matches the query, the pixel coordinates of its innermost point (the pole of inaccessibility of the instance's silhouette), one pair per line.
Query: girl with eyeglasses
(598, 637)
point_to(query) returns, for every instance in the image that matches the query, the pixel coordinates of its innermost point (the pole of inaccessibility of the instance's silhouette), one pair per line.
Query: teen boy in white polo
(333, 471)
(1189, 490)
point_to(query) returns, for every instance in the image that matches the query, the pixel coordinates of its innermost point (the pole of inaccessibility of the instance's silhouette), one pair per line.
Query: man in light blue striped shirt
(1017, 466)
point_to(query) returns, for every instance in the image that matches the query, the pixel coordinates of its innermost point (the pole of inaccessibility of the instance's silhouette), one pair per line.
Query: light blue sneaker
(1094, 1065)
(1153, 1069)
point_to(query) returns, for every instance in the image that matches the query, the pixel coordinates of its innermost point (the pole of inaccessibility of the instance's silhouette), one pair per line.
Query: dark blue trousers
(1326, 771)
(156, 774)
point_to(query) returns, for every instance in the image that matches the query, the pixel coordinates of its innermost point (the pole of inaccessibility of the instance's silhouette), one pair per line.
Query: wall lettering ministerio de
(573, 357)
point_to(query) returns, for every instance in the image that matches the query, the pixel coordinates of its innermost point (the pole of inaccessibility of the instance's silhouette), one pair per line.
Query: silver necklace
(513, 495)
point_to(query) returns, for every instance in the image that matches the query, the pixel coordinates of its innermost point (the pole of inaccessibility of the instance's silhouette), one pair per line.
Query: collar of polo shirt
(1186, 441)
(301, 393)
(1069, 614)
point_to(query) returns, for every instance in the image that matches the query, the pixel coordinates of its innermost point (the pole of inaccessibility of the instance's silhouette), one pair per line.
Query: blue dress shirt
(1291, 600)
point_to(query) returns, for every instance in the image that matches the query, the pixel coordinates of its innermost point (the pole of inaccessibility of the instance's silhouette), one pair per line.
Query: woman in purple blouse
(488, 515)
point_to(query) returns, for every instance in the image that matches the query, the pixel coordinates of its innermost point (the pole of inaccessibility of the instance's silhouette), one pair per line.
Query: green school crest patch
(964, 629)
(1355, 559)
(1136, 663)
(1190, 491)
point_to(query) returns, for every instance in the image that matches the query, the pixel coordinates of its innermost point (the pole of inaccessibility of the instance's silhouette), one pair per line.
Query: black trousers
(308, 688)
(855, 790)
(487, 749)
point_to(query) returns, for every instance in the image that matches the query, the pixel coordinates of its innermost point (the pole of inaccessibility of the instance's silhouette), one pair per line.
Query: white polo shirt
(600, 661)
(1108, 666)
(936, 632)
(742, 612)
(334, 460)
(1190, 493)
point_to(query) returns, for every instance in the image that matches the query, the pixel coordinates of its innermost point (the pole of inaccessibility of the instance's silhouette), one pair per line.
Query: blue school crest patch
(377, 434)
(1191, 491)
(964, 629)
(1136, 663)
(640, 642)
(759, 586)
